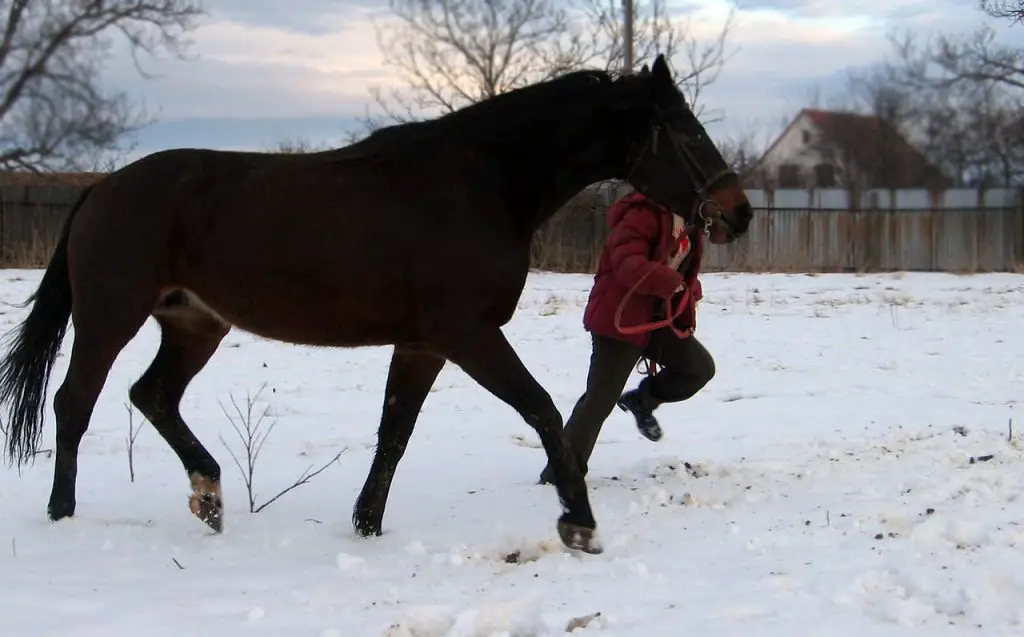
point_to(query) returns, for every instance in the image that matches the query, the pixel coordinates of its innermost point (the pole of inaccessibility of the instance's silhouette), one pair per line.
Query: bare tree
(451, 53)
(1012, 10)
(743, 150)
(946, 59)
(54, 111)
(297, 146)
(655, 30)
(971, 91)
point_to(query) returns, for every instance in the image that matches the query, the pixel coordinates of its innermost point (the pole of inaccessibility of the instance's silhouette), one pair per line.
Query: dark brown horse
(418, 236)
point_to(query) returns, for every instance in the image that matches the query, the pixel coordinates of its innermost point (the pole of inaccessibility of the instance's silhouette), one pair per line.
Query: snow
(822, 483)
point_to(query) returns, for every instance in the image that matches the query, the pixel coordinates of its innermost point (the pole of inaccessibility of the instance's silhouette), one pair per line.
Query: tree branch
(1012, 10)
(53, 112)
(451, 53)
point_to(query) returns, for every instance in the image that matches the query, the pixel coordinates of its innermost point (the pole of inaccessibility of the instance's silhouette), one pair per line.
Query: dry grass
(31, 254)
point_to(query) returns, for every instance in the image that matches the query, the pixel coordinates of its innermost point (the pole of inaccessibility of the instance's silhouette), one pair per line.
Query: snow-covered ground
(822, 484)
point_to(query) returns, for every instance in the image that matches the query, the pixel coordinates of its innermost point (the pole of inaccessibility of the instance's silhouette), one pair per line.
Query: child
(642, 305)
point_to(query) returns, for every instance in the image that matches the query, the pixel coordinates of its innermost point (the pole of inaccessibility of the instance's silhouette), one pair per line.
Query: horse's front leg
(410, 377)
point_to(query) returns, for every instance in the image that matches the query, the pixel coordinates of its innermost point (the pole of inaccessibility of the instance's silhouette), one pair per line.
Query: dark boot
(641, 404)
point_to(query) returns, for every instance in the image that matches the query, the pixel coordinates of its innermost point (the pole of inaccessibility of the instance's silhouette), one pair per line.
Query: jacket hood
(622, 206)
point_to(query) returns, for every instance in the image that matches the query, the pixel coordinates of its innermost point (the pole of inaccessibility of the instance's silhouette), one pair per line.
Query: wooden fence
(31, 218)
(832, 231)
(933, 234)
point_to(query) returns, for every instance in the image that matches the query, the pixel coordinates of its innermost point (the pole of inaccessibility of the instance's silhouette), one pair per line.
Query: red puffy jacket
(639, 243)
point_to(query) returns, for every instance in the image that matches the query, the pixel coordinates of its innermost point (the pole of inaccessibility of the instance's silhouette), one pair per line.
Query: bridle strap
(699, 180)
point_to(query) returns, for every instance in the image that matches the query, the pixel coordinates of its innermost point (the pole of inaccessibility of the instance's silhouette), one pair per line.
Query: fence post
(3, 232)
(1019, 232)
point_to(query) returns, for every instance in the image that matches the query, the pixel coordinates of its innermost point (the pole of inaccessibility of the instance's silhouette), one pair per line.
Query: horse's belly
(311, 315)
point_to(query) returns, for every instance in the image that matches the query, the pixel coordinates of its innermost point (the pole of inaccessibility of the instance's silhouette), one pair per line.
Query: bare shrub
(253, 433)
(129, 440)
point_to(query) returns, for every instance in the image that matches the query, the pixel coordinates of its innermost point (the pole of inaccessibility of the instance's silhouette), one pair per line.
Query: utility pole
(627, 36)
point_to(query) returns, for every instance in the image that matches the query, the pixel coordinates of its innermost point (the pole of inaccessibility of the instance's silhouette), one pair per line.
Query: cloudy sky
(267, 70)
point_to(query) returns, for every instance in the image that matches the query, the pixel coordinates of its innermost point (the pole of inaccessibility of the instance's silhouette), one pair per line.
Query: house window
(806, 135)
(825, 176)
(789, 176)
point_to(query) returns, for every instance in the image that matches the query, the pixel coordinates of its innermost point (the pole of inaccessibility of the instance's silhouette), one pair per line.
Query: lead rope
(650, 366)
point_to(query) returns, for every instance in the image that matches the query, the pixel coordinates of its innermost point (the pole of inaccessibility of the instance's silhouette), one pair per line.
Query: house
(834, 149)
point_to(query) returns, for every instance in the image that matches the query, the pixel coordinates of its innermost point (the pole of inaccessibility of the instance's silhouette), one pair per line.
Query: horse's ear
(637, 91)
(660, 70)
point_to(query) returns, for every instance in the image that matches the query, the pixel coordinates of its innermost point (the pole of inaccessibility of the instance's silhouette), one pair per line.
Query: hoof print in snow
(695, 471)
(531, 552)
(576, 623)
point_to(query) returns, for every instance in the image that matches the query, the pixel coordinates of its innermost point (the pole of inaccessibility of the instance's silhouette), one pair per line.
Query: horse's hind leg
(410, 377)
(101, 331)
(190, 334)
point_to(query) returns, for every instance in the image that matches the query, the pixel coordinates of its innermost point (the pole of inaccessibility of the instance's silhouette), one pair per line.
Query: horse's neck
(548, 183)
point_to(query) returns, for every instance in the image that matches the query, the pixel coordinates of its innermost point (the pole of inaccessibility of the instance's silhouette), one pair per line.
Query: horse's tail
(32, 350)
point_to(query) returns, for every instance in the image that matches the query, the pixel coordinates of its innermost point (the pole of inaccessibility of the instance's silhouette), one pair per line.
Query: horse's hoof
(206, 502)
(59, 510)
(366, 528)
(210, 509)
(580, 538)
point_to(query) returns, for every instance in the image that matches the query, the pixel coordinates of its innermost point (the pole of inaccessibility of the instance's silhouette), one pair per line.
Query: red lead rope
(669, 321)
(671, 314)
(652, 366)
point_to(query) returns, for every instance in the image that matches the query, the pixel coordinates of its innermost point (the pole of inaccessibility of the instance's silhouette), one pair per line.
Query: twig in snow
(129, 441)
(828, 518)
(303, 479)
(250, 431)
(1009, 432)
(178, 564)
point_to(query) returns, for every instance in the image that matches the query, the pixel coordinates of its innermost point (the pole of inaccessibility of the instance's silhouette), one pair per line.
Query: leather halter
(699, 179)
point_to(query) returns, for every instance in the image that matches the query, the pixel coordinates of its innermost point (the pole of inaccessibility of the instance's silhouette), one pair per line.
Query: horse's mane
(504, 115)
